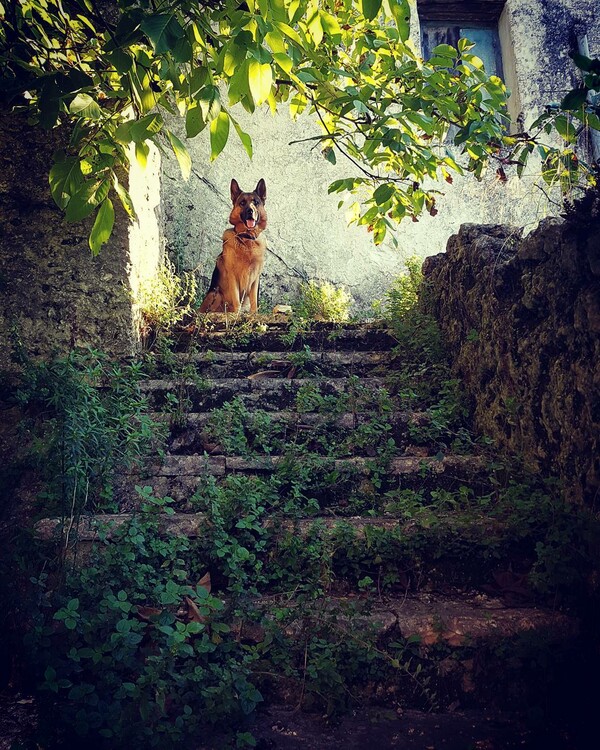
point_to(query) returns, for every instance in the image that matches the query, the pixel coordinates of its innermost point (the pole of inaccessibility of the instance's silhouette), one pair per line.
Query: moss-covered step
(272, 364)
(259, 336)
(202, 432)
(328, 480)
(181, 395)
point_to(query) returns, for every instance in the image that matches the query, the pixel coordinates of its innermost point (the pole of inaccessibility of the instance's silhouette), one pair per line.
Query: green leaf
(139, 130)
(49, 104)
(383, 193)
(565, 128)
(329, 153)
(285, 63)
(163, 30)
(121, 60)
(194, 121)
(315, 29)
(444, 50)
(86, 199)
(65, 179)
(260, 79)
(141, 153)
(182, 154)
(196, 80)
(84, 106)
(289, 32)
(103, 226)
(124, 197)
(370, 8)
(298, 105)
(244, 137)
(183, 52)
(329, 23)
(401, 12)
(574, 99)
(219, 133)
(587, 64)
(592, 121)
(146, 127)
(209, 102)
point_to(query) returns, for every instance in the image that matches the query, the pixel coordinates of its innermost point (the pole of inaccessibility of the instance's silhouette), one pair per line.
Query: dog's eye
(243, 202)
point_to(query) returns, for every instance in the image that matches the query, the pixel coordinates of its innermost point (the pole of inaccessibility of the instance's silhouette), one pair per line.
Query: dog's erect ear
(235, 190)
(261, 190)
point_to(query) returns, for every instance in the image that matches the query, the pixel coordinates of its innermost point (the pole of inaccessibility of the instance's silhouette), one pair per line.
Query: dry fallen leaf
(205, 582)
(193, 614)
(147, 612)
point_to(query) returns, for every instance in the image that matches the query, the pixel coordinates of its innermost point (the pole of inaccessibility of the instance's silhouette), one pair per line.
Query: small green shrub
(165, 299)
(323, 301)
(86, 418)
(416, 331)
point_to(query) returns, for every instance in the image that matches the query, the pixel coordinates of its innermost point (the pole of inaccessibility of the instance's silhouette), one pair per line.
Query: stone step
(192, 433)
(199, 466)
(273, 364)
(270, 394)
(342, 555)
(329, 481)
(280, 337)
(456, 621)
(454, 650)
(88, 528)
(227, 321)
(452, 550)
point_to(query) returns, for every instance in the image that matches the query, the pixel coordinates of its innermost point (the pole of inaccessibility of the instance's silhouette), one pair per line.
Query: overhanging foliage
(111, 70)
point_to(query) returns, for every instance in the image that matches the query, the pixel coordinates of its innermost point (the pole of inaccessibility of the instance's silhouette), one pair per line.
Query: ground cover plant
(165, 299)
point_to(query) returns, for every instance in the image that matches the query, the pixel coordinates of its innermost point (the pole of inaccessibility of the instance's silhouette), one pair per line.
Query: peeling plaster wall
(543, 32)
(307, 235)
(53, 294)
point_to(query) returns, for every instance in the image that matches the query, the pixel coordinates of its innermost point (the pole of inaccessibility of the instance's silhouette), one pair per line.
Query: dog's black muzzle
(249, 213)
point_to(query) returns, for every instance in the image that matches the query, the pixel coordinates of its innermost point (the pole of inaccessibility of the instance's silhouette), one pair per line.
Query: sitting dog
(234, 282)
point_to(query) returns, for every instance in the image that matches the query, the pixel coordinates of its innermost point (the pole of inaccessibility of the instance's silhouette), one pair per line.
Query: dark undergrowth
(161, 640)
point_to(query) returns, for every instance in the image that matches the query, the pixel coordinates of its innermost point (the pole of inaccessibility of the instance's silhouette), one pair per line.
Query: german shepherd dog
(234, 282)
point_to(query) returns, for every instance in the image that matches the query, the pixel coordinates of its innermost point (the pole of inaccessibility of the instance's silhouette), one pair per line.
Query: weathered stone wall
(521, 319)
(53, 294)
(307, 235)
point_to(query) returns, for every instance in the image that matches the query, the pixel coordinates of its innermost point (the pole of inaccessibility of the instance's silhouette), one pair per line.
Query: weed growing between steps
(323, 302)
(85, 418)
(164, 300)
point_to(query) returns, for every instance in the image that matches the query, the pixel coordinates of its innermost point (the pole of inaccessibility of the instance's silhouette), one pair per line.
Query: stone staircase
(374, 516)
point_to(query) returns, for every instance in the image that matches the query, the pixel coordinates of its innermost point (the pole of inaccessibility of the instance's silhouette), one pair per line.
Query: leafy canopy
(111, 70)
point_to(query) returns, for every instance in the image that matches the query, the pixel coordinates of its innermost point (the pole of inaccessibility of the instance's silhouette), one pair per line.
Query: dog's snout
(250, 215)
